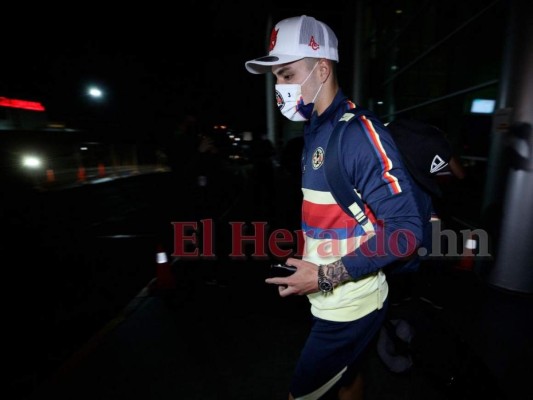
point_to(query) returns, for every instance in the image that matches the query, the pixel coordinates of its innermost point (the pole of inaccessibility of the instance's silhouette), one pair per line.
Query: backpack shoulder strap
(337, 177)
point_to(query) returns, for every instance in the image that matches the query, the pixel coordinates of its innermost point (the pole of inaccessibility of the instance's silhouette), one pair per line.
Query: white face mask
(291, 103)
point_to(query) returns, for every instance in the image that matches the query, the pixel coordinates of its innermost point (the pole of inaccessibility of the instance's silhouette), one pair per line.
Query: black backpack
(422, 146)
(425, 152)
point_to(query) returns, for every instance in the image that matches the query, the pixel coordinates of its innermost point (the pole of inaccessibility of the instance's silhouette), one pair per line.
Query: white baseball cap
(293, 39)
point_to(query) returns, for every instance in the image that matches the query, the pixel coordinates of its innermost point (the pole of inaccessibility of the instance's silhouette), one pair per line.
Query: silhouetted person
(261, 155)
(291, 176)
(213, 193)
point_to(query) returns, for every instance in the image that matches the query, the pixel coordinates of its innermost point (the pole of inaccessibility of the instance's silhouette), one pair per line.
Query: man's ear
(324, 69)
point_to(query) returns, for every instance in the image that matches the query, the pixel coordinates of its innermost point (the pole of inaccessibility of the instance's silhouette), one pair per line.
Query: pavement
(237, 339)
(215, 330)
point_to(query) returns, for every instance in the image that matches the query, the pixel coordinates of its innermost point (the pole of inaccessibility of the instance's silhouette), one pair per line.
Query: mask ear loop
(305, 80)
(322, 84)
(318, 91)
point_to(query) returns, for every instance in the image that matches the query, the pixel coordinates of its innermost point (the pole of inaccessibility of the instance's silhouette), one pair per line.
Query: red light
(24, 104)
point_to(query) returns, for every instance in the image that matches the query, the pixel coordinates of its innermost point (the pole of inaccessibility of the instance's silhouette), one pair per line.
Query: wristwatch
(324, 283)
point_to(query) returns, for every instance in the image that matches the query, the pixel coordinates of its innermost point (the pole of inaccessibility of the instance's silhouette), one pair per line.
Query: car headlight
(32, 162)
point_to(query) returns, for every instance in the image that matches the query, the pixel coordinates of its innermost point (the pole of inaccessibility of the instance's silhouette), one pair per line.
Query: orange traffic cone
(101, 170)
(466, 263)
(164, 277)
(82, 176)
(50, 176)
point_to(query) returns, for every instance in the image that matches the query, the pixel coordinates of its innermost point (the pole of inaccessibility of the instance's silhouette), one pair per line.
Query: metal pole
(513, 267)
(357, 52)
(495, 183)
(269, 96)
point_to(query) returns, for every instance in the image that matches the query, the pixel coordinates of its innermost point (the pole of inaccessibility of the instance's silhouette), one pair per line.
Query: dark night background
(158, 63)
(154, 63)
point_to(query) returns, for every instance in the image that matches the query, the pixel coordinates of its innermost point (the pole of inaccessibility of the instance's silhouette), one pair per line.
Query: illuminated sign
(483, 106)
(23, 104)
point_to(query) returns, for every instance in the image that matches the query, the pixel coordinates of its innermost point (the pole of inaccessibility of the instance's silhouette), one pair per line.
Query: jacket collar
(331, 113)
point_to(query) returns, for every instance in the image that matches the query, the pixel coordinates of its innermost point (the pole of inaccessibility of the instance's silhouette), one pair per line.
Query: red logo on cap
(313, 43)
(273, 39)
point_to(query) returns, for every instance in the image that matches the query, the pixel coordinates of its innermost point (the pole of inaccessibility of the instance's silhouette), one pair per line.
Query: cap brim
(263, 65)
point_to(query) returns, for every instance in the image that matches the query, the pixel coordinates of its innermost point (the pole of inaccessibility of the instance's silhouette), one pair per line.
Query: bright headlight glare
(31, 161)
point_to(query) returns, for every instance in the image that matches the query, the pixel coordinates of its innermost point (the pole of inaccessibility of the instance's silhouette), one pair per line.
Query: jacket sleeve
(374, 164)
